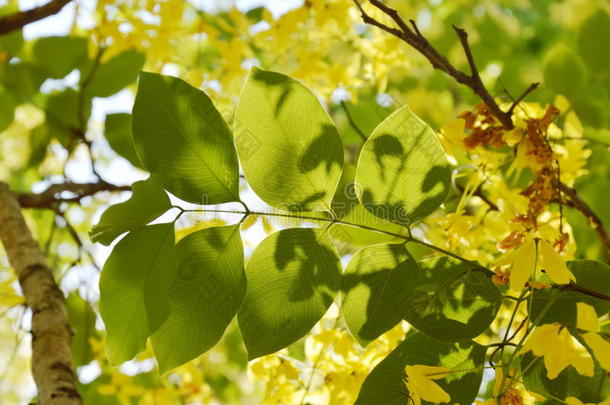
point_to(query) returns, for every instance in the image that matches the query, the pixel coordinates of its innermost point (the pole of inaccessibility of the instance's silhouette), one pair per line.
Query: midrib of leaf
(189, 142)
(152, 268)
(224, 248)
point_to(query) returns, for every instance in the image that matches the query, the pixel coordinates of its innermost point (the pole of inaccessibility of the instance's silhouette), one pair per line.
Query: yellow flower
(586, 317)
(553, 264)
(8, 296)
(419, 382)
(587, 320)
(122, 387)
(523, 264)
(600, 348)
(560, 349)
(524, 260)
(576, 401)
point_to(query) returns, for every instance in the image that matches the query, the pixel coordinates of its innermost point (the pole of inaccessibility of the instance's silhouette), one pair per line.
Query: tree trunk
(51, 333)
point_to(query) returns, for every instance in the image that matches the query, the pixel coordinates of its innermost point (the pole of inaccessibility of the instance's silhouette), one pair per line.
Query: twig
(77, 239)
(596, 294)
(81, 131)
(52, 196)
(473, 81)
(519, 99)
(463, 37)
(352, 122)
(415, 39)
(17, 21)
(579, 204)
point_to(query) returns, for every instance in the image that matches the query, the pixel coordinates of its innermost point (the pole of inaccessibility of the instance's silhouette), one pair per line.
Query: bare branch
(575, 287)
(370, 20)
(574, 201)
(415, 28)
(55, 194)
(519, 99)
(16, 21)
(415, 39)
(393, 14)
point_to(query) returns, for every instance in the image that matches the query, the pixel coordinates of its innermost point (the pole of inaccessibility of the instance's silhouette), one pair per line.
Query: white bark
(51, 333)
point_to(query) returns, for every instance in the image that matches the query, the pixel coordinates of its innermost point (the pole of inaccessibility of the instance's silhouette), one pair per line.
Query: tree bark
(51, 333)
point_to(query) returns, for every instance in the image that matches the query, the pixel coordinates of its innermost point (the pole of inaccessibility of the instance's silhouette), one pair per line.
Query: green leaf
(148, 201)
(589, 274)
(63, 113)
(82, 321)
(293, 277)
(134, 286)
(568, 383)
(58, 56)
(118, 135)
(40, 138)
(11, 42)
(564, 70)
(8, 103)
(210, 287)
(347, 208)
(116, 73)
(22, 79)
(591, 108)
(376, 288)
(288, 145)
(593, 40)
(179, 134)
(385, 384)
(453, 301)
(403, 174)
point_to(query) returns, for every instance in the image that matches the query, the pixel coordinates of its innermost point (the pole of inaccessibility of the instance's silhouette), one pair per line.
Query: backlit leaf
(209, 288)
(134, 289)
(179, 135)
(148, 201)
(288, 146)
(403, 174)
(293, 277)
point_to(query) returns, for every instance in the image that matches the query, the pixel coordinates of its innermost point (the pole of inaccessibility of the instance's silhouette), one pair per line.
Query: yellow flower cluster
(331, 372)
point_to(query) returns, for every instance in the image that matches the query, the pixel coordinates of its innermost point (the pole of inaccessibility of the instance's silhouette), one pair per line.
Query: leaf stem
(406, 238)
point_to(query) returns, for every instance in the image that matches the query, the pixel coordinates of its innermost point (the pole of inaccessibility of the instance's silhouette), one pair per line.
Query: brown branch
(416, 40)
(574, 201)
(519, 99)
(596, 294)
(18, 20)
(81, 131)
(51, 333)
(55, 194)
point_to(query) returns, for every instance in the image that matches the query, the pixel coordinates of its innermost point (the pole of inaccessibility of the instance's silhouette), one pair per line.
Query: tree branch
(51, 333)
(575, 287)
(18, 20)
(55, 194)
(574, 201)
(416, 40)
